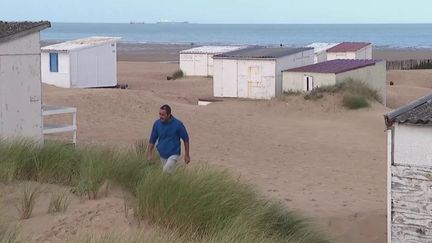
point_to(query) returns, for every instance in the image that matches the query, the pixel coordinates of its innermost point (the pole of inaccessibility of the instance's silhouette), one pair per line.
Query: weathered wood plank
(412, 219)
(407, 233)
(421, 208)
(411, 190)
(419, 173)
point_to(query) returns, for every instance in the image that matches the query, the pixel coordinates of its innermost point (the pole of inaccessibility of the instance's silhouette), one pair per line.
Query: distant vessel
(171, 22)
(136, 22)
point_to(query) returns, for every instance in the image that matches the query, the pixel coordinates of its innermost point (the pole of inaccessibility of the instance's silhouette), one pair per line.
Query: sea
(381, 35)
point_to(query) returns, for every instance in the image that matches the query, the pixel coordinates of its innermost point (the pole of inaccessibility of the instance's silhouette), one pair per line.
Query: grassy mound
(356, 94)
(200, 204)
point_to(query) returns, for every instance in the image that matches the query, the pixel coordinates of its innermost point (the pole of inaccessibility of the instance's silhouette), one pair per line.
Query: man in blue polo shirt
(168, 131)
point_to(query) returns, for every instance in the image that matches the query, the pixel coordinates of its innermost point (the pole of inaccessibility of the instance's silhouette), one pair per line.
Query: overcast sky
(220, 11)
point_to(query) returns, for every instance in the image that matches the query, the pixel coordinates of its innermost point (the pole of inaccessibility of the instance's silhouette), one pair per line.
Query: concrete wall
(295, 81)
(62, 77)
(375, 76)
(94, 67)
(196, 64)
(20, 110)
(412, 145)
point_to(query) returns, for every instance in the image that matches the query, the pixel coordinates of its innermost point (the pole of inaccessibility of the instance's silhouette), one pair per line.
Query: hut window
(53, 62)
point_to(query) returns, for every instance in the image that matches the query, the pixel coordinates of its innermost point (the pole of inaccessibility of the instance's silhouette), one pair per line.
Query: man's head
(165, 113)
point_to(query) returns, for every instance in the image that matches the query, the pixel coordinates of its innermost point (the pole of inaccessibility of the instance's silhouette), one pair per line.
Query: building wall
(410, 170)
(256, 79)
(20, 110)
(340, 55)
(295, 81)
(225, 78)
(412, 145)
(375, 76)
(364, 53)
(94, 67)
(195, 64)
(299, 59)
(60, 78)
(320, 57)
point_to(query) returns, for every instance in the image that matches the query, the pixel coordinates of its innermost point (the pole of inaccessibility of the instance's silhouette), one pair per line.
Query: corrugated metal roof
(259, 52)
(211, 49)
(334, 66)
(81, 43)
(348, 46)
(416, 112)
(11, 30)
(320, 46)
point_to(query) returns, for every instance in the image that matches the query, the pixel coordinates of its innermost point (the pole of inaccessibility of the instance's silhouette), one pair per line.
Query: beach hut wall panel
(409, 170)
(306, 78)
(20, 80)
(198, 61)
(320, 50)
(350, 50)
(255, 72)
(84, 63)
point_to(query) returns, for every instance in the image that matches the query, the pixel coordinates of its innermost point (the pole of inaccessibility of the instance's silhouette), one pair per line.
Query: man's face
(163, 115)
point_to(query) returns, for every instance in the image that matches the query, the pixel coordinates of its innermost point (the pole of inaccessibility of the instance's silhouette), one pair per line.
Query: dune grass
(59, 203)
(27, 201)
(8, 234)
(198, 203)
(356, 93)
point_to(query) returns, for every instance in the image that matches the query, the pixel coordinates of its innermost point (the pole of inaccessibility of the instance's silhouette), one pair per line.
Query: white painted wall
(199, 64)
(254, 78)
(375, 76)
(60, 78)
(83, 68)
(412, 145)
(20, 88)
(320, 57)
(295, 81)
(364, 53)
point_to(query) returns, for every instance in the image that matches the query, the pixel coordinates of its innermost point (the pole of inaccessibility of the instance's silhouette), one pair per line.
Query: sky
(220, 11)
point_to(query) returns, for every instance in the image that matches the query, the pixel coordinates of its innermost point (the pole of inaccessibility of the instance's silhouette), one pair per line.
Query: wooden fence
(409, 64)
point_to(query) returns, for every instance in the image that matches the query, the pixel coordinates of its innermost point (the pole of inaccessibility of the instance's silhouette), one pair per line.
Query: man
(167, 131)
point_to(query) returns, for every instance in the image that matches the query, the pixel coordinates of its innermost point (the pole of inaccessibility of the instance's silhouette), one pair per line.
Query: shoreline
(169, 52)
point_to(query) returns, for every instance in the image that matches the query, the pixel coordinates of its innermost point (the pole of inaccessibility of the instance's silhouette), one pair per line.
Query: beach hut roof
(321, 46)
(258, 52)
(211, 49)
(13, 30)
(348, 46)
(334, 66)
(81, 43)
(417, 112)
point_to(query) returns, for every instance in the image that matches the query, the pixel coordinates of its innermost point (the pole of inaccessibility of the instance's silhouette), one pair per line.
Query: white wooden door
(308, 84)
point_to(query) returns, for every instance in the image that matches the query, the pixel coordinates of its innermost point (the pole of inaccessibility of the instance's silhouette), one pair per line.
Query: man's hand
(187, 159)
(149, 157)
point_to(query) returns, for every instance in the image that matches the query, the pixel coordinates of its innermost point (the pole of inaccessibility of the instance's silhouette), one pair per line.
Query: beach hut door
(308, 83)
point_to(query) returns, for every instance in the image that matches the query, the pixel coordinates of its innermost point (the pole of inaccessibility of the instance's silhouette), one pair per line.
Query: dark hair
(166, 108)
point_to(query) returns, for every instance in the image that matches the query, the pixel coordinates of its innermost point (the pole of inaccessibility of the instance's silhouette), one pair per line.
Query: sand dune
(318, 158)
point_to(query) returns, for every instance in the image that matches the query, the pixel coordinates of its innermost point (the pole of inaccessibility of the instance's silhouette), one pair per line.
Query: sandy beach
(319, 159)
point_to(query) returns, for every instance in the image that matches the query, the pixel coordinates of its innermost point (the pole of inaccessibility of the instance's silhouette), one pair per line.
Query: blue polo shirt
(168, 135)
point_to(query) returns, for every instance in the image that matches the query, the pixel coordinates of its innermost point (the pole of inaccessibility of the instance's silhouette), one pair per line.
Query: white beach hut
(82, 63)
(198, 61)
(409, 172)
(306, 78)
(20, 80)
(256, 72)
(350, 50)
(320, 50)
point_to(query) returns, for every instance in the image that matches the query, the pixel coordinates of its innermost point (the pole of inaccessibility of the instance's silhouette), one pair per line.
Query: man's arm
(187, 156)
(185, 137)
(153, 138)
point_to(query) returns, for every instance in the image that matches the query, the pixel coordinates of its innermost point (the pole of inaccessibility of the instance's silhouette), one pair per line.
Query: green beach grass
(196, 204)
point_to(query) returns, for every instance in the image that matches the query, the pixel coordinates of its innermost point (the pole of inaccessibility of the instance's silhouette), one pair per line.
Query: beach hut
(20, 80)
(198, 61)
(320, 50)
(409, 172)
(306, 78)
(350, 50)
(256, 72)
(82, 63)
